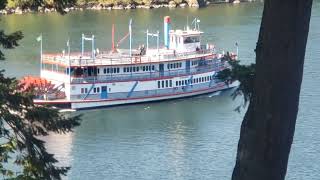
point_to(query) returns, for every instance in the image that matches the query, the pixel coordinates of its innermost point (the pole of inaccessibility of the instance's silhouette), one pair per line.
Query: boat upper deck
(122, 57)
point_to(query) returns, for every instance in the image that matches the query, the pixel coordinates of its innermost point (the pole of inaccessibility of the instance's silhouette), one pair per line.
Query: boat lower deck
(113, 100)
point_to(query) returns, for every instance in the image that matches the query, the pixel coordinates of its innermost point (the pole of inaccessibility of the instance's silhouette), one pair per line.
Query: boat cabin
(185, 40)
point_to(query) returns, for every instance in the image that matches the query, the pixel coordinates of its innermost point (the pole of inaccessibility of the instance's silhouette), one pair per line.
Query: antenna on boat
(153, 35)
(84, 38)
(196, 22)
(187, 23)
(113, 48)
(69, 71)
(130, 34)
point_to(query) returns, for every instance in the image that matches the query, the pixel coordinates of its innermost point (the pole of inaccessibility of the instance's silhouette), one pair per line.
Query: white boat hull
(87, 104)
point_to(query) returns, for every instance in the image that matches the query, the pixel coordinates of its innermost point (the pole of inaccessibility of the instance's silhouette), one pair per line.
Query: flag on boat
(39, 38)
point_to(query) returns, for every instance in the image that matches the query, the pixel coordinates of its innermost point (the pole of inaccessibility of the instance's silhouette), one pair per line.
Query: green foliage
(9, 41)
(22, 122)
(243, 73)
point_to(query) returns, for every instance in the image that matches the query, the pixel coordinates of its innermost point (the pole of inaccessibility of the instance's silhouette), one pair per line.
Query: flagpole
(237, 50)
(68, 44)
(130, 34)
(147, 39)
(40, 54)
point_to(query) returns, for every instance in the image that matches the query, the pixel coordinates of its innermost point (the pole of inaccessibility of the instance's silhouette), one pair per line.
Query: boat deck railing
(150, 75)
(105, 58)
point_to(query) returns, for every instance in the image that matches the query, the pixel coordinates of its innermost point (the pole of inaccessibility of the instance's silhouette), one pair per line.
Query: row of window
(164, 83)
(139, 68)
(174, 65)
(111, 70)
(168, 83)
(84, 90)
(96, 90)
(194, 81)
(194, 63)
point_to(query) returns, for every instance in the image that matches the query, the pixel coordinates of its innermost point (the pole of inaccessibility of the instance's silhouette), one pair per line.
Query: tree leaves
(243, 73)
(22, 122)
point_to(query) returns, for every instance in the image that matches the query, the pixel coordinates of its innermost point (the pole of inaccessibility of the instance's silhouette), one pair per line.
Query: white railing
(108, 59)
(149, 75)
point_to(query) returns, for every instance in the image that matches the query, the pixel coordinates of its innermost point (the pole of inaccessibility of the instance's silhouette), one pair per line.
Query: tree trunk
(269, 123)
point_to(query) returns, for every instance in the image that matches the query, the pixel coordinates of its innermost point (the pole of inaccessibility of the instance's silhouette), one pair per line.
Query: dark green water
(185, 139)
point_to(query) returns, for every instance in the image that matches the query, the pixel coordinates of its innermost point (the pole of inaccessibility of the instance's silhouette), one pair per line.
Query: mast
(82, 45)
(68, 44)
(130, 34)
(92, 46)
(113, 48)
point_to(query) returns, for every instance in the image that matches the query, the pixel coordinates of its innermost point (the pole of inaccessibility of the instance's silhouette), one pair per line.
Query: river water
(194, 138)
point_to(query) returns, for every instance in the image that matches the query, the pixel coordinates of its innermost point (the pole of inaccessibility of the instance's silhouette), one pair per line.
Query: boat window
(152, 67)
(124, 69)
(98, 89)
(171, 66)
(137, 69)
(94, 90)
(147, 68)
(143, 68)
(82, 91)
(104, 70)
(85, 90)
(158, 84)
(194, 39)
(179, 83)
(130, 69)
(194, 80)
(162, 83)
(168, 66)
(167, 83)
(202, 79)
(176, 83)
(182, 83)
(170, 83)
(134, 69)
(186, 82)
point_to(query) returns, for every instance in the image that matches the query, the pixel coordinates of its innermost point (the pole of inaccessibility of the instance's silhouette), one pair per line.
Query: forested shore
(27, 6)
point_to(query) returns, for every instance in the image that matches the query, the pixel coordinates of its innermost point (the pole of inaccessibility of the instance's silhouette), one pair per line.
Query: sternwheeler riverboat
(183, 67)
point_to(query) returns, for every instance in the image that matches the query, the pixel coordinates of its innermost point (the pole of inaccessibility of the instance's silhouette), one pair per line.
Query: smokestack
(166, 30)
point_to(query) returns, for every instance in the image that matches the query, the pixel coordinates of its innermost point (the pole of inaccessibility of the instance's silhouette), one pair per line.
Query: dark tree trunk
(269, 123)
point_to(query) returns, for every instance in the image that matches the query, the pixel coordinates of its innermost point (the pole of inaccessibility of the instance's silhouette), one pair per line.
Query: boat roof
(122, 57)
(187, 32)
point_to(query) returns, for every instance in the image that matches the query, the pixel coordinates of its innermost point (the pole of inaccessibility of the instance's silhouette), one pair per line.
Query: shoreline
(99, 6)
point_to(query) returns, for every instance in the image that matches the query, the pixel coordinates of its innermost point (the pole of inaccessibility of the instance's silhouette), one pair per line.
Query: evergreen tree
(272, 87)
(22, 123)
